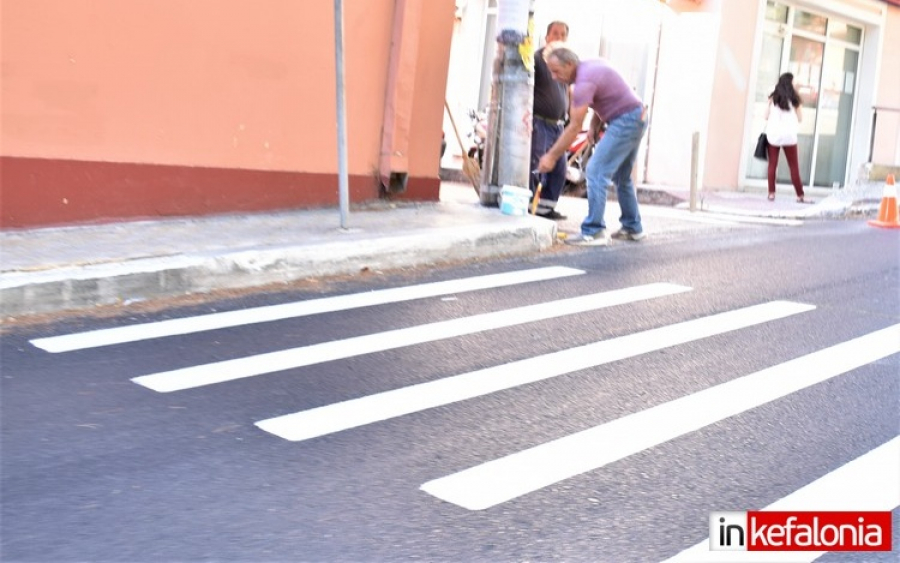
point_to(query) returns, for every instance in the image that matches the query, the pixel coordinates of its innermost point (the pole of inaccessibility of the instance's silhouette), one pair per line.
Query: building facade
(118, 110)
(708, 66)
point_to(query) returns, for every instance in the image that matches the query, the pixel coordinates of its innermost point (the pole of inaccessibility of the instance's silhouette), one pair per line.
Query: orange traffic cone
(887, 212)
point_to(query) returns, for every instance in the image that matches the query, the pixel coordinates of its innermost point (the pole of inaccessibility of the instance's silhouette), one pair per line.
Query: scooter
(478, 135)
(577, 157)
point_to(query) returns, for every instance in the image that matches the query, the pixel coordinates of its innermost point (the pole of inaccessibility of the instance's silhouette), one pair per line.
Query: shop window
(810, 22)
(776, 12)
(844, 32)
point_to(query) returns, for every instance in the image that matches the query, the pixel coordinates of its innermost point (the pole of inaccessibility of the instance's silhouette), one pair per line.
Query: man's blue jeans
(543, 136)
(611, 163)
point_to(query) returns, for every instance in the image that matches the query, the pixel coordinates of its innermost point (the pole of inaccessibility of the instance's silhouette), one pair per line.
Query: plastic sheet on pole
(513, 15)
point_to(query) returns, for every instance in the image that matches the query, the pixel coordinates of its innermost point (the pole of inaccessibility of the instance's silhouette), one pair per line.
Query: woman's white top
(782, 126)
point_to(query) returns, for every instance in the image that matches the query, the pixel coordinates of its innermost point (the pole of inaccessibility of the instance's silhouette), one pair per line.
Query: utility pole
(507, 157)
(343, 175)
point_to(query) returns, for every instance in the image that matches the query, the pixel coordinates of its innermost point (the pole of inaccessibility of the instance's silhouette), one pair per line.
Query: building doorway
(823, 53)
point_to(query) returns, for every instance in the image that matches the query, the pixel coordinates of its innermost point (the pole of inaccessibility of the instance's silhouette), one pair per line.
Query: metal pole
(872, 135)
(343, 182)
(695, 168)
(487, 191)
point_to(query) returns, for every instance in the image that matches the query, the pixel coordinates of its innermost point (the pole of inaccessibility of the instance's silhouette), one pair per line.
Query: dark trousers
(790, 153)
(543, 135)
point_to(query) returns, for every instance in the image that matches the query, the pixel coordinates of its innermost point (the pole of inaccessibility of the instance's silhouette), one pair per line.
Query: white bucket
(514, 200)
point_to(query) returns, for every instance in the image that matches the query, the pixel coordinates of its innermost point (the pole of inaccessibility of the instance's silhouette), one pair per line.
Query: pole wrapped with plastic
(508, 146)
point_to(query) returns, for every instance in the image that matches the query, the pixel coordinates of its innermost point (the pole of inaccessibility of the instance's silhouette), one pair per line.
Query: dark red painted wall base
(38, 192)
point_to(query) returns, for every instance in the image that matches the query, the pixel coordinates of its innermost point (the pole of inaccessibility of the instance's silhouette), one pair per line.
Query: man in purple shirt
(597, 85)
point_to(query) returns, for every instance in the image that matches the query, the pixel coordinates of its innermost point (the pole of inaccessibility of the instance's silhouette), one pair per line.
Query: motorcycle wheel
(579, 188)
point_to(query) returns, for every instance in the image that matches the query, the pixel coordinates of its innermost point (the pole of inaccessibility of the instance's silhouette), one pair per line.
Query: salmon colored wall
(201, 82)
(729, 96)
(218, 85)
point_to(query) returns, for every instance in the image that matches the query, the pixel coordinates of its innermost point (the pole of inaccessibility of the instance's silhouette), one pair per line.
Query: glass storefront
(823, 54)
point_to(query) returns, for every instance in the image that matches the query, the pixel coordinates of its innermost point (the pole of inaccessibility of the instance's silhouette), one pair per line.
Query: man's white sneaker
(599, 239)
(628, 234)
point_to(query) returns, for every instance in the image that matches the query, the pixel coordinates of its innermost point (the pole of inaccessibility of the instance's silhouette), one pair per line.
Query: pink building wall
(114, 110)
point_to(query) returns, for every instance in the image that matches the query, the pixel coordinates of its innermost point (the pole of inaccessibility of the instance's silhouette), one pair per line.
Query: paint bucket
(514, 200)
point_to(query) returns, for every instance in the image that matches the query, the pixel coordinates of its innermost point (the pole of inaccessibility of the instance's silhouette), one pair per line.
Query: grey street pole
(508, 150)
(343, 181)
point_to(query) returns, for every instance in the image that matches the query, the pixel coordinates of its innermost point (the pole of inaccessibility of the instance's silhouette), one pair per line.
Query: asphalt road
(599, 414)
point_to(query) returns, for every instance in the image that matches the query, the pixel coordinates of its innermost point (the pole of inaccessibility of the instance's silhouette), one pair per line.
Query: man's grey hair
(561, 53)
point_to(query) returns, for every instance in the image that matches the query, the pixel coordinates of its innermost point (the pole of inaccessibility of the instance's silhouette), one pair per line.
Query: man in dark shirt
(551, 103)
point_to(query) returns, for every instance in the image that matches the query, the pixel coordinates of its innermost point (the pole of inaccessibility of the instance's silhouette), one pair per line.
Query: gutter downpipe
(393, 166)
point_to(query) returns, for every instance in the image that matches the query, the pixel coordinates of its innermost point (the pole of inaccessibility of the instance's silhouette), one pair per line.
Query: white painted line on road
(214, 321)
(500, 480)
(868, 483)
(390, 404)
(754, 220)
(217, 372)
(716, 218)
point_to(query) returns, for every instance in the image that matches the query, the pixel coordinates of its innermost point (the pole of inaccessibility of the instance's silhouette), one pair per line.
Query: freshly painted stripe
(214, 321)
(382, 406)
(500, 480)
(868, 483)
(721, 218)
(229, 370)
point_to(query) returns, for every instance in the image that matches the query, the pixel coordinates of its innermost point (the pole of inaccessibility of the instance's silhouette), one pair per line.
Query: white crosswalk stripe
(373, 408)
(229, 370)
(868, 483)
(510, 477)
(214, 321)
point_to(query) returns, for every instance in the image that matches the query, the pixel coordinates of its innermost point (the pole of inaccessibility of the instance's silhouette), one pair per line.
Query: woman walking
(783, 117)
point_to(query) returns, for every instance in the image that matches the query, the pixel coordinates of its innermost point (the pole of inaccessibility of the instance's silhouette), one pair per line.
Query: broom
(537, 197)
(471, 168)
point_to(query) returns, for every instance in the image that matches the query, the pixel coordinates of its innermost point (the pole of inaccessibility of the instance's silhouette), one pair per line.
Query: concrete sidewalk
(56, 269)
